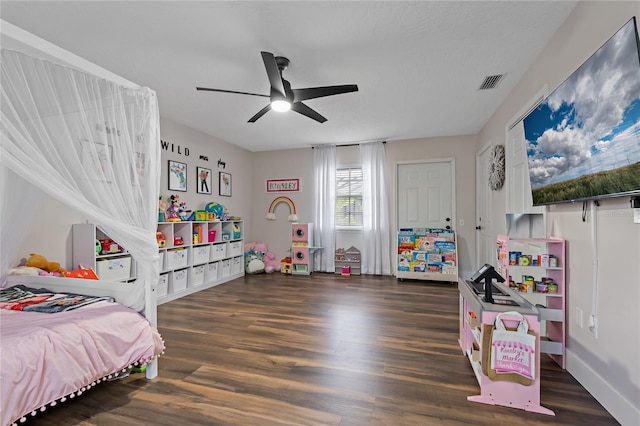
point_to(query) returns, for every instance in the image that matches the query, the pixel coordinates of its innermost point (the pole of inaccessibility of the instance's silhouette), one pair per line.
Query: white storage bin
(236, 265)
(161, 261)
(197, 276)
(235, 248)
(218, 251)
(225, 268)
(213, 271)
(114, 269)
(179, 280)
(200, 254)
(176, 258)
(163, 285)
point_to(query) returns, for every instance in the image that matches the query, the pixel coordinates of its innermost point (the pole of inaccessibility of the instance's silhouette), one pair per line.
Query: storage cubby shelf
(211, 253)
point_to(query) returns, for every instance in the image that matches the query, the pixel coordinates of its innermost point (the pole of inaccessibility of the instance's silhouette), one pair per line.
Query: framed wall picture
(283, 185)
(100, 159)
(204, 180)
(177, 176)
(225, 184)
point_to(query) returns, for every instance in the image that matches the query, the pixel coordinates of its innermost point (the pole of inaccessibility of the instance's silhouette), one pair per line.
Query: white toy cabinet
(198, 255)
(94, 249)
(193, 255)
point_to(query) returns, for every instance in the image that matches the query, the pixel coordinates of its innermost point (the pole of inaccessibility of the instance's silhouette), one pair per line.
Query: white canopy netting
(91, 144)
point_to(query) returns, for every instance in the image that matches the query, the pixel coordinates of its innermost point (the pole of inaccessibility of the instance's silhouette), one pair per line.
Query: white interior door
(425, 194)
(485, 239)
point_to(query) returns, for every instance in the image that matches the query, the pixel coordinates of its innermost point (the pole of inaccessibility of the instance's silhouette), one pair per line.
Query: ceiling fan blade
(260, 113)
(275, 79)
(230, 91)
(305, 110)
(319, 92)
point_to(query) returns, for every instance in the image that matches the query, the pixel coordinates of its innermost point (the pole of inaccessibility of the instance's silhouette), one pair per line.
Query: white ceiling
(418, 65)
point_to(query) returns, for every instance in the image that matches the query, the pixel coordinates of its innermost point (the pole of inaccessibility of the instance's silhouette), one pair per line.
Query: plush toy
(172, 210)
(183, 212)
(39, 261)
(270, 262)
(253, 263)
(269, 259)
(26, 270)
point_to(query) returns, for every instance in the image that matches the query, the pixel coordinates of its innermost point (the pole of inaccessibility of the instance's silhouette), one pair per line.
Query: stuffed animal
(183, 212)
(269, 259)
(253, 263)
(26, 270)
(270, 262)
(39, 261)
(172, 210)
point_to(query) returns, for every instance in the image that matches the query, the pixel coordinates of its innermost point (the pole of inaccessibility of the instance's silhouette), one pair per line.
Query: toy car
(109, 246)
(162, 240)
(177, 240)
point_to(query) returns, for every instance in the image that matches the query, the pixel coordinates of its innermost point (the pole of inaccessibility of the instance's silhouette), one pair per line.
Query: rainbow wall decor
(286, 200)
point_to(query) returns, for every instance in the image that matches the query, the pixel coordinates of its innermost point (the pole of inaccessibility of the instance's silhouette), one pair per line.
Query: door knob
(448, 219)
(478, 227)
(448, 227)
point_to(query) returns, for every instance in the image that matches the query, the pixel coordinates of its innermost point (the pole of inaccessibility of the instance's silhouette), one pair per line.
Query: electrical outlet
(579, 318)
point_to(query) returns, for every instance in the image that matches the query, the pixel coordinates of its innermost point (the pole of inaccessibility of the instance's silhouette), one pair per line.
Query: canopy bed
(92, 143)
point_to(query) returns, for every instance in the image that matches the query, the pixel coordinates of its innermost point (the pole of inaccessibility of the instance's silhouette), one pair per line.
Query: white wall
(607, 365)
(285, 164)
(298, 163)
(238, 163)
(461, 149)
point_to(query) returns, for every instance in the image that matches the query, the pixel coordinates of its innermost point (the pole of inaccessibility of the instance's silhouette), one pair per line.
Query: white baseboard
(616, 404)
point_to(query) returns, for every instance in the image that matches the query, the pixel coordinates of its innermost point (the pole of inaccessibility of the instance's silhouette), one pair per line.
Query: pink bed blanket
(44, 357)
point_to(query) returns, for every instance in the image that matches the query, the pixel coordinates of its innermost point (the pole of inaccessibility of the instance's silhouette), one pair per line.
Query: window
(349, 197)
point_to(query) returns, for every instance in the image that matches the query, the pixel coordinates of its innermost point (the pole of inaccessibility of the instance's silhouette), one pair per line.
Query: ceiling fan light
(281, 105)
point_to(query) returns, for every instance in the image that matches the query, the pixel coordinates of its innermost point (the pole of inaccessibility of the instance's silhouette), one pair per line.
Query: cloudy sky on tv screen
(591, 122)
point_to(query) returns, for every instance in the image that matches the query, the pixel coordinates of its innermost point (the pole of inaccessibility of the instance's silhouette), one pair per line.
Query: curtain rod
(350, 144)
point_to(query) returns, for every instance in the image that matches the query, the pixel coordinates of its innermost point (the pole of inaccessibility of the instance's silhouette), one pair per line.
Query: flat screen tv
(583, 140)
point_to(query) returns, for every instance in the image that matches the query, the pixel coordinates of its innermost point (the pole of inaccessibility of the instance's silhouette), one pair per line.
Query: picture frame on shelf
(177, 176)
(225, 184)
(203, 178)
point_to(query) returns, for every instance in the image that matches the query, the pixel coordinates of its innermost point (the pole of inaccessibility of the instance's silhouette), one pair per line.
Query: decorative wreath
(496, 167)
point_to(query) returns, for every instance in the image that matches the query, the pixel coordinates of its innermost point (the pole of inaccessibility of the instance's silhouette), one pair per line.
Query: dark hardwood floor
(320, 350)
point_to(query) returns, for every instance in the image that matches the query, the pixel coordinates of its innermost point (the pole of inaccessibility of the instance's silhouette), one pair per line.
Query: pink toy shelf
(475, 318)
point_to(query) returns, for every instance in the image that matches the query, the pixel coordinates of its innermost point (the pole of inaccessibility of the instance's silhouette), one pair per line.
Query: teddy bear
(269, 259)
(39, 261)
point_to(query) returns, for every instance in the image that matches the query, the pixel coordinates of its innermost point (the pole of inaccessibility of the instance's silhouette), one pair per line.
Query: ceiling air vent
(491, 81)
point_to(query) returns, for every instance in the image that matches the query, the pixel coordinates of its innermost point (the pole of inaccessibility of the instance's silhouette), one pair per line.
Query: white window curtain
(324, 210)
(91, 144)
(375, 256)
